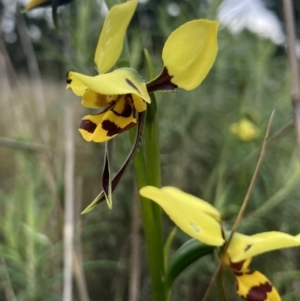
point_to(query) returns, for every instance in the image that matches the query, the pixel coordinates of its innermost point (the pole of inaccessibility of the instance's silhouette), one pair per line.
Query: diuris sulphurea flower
(188, 55)
(202, 221)
(122, 95)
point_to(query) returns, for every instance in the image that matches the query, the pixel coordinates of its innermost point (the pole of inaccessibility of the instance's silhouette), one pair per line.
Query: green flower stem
(153, 224)
(147, 172)
(153, 167)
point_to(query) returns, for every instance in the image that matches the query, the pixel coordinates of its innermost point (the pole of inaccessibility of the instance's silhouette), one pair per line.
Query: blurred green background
(199, 154)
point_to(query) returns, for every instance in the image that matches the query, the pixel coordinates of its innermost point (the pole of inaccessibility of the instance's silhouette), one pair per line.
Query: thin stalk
(242, 210)
(35, 76)
(78, 270)
(291, 41)
(68, 192)
(250, 188)
(31, 276)
(276, 137)
(28, 146)
(69, 204)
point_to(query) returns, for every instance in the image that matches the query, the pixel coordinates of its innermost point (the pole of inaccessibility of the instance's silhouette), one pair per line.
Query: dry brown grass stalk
(291, 42)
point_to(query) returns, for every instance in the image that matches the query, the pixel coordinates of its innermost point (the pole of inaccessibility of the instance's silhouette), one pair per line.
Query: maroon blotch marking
(130, 83)
(237, 266)
(247, 247)
(88, 125)
(127, 110)
(111, 128)
(67, 76)
(259, 292)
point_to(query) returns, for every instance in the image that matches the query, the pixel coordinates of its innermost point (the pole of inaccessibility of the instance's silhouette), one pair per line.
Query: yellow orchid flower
(245, 130)
(121, 93)
(202, 221)
(188, 55)
(43, 3)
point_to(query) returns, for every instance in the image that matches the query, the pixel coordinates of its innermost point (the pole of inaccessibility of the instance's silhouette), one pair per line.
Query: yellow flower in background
(43, 3)
(245, 130)
(188, 55)
(202, 221)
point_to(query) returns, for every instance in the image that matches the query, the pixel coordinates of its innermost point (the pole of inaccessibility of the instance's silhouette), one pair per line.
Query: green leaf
(149, 64)
(168, 245)
(188, 253)
(106, 177)
(152, 107)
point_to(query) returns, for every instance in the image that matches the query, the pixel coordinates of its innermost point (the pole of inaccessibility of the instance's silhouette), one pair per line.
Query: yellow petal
(243, 246)
(184, 197)
(139, 103)
(75, 83)
(254, 286)
(111, 39)
(93, 100)
(244, 130)
(190, 52)
(120, 81)
(89, 125)
(104, 126)
(187, 215)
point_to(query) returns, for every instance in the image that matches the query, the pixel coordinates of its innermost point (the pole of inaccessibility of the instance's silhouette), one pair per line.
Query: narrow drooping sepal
(187, 214)
(106, 178)
(254, 286)
(190, 52)
(138, 139)
(120, 81)
(112, 36)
